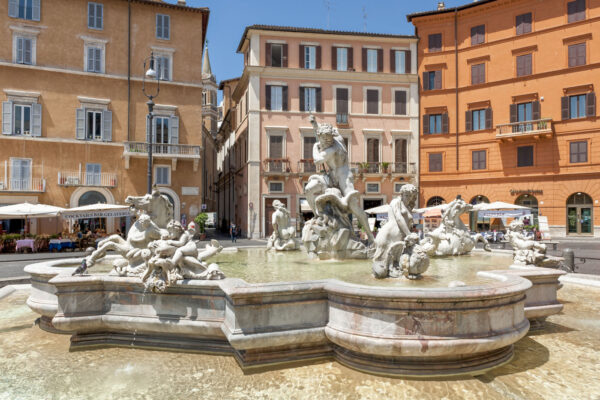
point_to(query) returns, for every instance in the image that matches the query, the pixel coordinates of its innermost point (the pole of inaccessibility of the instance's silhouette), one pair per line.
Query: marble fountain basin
(404, 329)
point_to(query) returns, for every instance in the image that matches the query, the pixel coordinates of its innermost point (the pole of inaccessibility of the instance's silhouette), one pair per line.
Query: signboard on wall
(544, 227)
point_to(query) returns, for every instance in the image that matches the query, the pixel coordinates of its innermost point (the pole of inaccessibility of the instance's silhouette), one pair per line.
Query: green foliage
(201, 221)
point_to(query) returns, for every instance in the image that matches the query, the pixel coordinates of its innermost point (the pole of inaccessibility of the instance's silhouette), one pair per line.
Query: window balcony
(526, 129)
(403, 168)
(307, 167)
(36, 185)
(171, 152)
(341, 119)
(276, 167)
(87, 179)
(367, 168)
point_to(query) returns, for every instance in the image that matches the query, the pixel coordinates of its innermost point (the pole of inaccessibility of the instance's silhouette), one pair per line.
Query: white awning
(28, 210)
(498, 205)
(99, 210)
(304, 207)
(383, 209)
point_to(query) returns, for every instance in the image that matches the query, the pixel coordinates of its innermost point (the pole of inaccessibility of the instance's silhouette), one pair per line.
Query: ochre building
(74, 118)
(508, 107)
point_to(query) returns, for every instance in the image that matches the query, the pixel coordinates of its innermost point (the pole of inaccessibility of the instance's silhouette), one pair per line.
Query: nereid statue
(158, 254)
(332, 197)
(283, 236)
(527, 251)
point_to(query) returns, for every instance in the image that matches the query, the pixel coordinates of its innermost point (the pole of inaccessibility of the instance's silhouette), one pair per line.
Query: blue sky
(228, 18)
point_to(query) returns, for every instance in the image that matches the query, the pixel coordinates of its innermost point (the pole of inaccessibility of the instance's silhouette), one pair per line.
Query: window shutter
(364, 59)
(284, 98)
(400, 102)
(445, 123)
(174, 134)
(7, 120)
(20, 50)
(572, 56)
(90, 59)
(27, 51)
(341, 100)
(580, 54)
(519, 24)
(350, 58)
(513, 113)
(334, 58)
(36, 10)
(468, 121)
(520, 64)
(379, 60)
(591, 104)
(425, 124)
(438, 79)
(318, 52)
(98, 60)
(284, 50)
(301, 56)
(319, 101)
(91, 15)
(488, 118)
(527, 23)
(535, 110)
(268, 56)
(99, 16)
(36, 120)
(407, 60)
(268, 97)
(13, 8)
(564, 107)
(159, 25)
(301, 95)
(393, 61)
(80, 123)
(167, 27)
(425, 80)
(107, 126)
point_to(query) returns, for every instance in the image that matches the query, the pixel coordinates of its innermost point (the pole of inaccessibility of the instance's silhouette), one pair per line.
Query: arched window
(579, 199)
(479, 199)
(580, 214)
(91, 197)
(435, 201)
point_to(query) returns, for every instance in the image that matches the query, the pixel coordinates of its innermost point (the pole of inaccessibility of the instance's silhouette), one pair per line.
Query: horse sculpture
(157, 205)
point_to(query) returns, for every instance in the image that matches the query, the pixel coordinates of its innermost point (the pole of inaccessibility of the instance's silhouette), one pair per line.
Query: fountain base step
(259, 359)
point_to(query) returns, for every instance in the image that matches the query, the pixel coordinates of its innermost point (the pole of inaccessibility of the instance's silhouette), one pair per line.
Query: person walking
(233, 233)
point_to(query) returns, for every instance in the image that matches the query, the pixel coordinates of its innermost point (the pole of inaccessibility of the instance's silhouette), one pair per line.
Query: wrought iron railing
(276, 166)
(87, 179)
(525, 127)
(141, 148)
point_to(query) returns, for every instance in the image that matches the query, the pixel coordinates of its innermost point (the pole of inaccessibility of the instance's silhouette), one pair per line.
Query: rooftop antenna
(364, 10)
(328, 7)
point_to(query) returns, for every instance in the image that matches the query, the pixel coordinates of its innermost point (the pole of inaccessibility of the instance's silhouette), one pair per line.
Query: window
(525, 156)
(93, 124)
(398, 187)
(477, 120)
(310, 57)
(400, 102)
(163, 26)
(341, 103)
(20, 174)
(276, 98)
(372, 187)
(371, 60)
(576, 10)
(400, 156)
(93, 127)
(95, 14)
(401, 61)
(276, 148)
(576, 54)
(163, 67)
(435, 162)
(435, 123)
(372, 101)
(524, 112)
(373, 150)
(341, 58)
(523, 23)
(93, 174)
(479, 159)
(432, 80)
(524, 65)
(309, 99)
(276, 55)
(166, 131)
(477, 35)
(578, 106)
(162, 175)
(477, 74)
(24, 50)
(24, 9)
(435, 42)
(94, 59)
(275, 187)
(578, 152)
(307, 148)
(22, 120)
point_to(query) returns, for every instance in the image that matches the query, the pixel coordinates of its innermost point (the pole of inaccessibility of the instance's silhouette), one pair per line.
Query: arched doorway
(476, 223)
(93, 224)
(174, 199)
(527, 200)
(435, 201)
(580, 214)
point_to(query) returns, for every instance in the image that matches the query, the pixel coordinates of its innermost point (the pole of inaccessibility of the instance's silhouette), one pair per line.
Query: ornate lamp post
(151, 73)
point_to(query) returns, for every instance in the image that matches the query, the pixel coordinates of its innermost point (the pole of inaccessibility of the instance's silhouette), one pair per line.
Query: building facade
(74, 117)
(210, 119)
(508, 107)
(364, 84)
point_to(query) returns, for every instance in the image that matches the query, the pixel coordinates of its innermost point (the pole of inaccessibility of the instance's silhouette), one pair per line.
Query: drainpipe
(456, 76)
(128, 70)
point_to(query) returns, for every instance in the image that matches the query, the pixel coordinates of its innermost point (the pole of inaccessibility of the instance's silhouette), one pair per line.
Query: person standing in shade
(233, 232)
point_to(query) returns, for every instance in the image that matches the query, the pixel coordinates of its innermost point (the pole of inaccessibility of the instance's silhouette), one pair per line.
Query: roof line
(316, 30)
(476, 3)
(171, 5)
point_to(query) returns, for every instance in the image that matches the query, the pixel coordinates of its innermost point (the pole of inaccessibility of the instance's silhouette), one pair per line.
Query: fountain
(161, 293)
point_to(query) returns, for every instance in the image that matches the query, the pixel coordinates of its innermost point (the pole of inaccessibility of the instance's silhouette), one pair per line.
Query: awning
(503, 213)
(383, 209)
(28, 210)
(498, 205)
(304, 207)
(433, 213)
(97, 211)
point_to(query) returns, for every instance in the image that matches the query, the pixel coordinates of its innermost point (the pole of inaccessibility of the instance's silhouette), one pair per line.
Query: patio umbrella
(27, 210)
(432, 210)
(498, 205)
(99, 210)
(383, 209)
(500, 209)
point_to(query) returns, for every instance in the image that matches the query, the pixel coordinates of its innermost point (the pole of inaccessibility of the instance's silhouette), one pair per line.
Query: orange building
(364, 84)
(508, 107)
(73, 112)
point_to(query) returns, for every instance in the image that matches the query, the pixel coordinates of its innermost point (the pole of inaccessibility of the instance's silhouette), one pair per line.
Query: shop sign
(515, 192)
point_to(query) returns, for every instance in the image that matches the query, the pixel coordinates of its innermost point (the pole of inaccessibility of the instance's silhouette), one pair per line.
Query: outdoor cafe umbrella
(383, 209)
(28, 210)
(500, 209)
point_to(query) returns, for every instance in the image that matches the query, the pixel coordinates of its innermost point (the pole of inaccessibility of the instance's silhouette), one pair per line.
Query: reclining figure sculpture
(283, 236)
(527, 251)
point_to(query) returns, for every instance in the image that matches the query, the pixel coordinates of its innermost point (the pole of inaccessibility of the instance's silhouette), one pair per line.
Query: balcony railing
(367, 167)
(307, 166)
(276, 166)
(524, 128)
(87, 179)
(341, 118)
(177, 150)
(403, 168)
(23, 185)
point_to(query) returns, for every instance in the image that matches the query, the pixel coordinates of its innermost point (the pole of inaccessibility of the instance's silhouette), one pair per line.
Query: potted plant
(201, 221)
(384, 167)
(364, 167)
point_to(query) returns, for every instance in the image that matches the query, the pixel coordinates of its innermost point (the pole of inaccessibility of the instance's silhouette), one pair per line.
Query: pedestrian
(233, 232)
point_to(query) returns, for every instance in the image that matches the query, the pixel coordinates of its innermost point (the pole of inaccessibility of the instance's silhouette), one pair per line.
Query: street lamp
(151, 73)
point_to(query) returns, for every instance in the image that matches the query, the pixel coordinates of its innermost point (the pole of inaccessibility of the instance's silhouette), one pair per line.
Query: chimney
(441, 5)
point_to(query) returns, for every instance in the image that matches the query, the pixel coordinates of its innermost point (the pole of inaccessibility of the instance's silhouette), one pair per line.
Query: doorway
(580, 215)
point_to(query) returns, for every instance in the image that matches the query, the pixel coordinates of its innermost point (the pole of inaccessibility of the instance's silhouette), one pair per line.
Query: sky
(228, 19)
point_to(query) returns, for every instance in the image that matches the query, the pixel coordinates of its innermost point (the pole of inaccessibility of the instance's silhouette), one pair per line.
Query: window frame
(400, 61)
(310, 56)
(276, 191)
(163, 37)
(435, 120)
(335, 98)
(406, 91)
(436, 49)
(14, 10)
(273, 90)
(157, 59)
(523, 30)
(22, 106)
(23, 34)
(479, 36)
(479, 113)
(98, 44)
(576, 58)
(280, 46)
(96, 176)
(532, 155)
(366, 89)
(429, 157)
(169, 178)
(93, 137)
(367, 191)
(479, 161)
(372, 62)
(571, 143)
(522, 57)
(96, 7)
(571, 18)
(342, 59)
(581, 100)
(307, 102)
(481, 79)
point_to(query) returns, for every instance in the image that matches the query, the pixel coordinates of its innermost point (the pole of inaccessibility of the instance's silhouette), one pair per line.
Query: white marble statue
(158, 256)
(331, 196)
(283, 236)
(452, 237)
(527, 251)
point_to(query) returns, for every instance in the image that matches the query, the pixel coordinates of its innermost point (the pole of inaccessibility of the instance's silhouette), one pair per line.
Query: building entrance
(580, 215)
